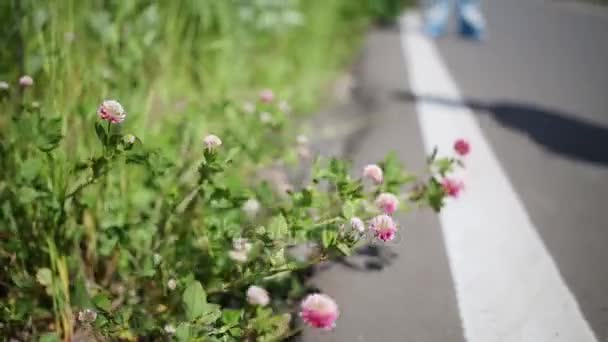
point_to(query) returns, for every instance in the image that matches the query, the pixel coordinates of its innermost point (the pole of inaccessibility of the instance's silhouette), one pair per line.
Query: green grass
(161, 59)
(83, 206)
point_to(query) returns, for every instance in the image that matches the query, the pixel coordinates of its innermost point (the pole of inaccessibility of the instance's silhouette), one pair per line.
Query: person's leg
(436, 17)
(471, 21)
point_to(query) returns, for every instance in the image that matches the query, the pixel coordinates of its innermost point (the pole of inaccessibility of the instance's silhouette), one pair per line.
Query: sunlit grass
(164, 59)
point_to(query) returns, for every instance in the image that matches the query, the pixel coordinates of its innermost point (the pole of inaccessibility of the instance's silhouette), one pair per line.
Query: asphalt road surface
(523, 254)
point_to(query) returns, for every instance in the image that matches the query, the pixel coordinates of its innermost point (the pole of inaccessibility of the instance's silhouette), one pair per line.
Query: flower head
(171, 284)
(26, 81)
(4, 85)
(284, 107)
(169, 329)
(87, 316)
(373, 172)
(251, 207)
(266, 96)
(319, 311)
(111, 111)
(452, 187)
(157, 258)
(357, 225)
(384, 227)
(462, 147)
(240, 250)
(302, 139)
(265, 117)
(257, 296)
(387, 202)
(248, 107)
(212, 142)
(129, 138)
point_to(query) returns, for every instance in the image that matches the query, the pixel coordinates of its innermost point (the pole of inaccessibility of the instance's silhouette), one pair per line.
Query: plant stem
(84, 185)
(108, 133)
(326, 222)
(292, 333)
(181, 205)
(270, 273)
(275, 271)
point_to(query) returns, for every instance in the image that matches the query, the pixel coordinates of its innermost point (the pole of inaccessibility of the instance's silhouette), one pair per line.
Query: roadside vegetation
(143, 148)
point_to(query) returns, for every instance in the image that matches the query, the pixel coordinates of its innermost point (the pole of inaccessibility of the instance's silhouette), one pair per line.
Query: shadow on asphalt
(369, 257)
(557, 131)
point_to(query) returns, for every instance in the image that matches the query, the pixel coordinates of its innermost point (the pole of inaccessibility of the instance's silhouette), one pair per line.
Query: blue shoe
(472, 24)
(436, 19)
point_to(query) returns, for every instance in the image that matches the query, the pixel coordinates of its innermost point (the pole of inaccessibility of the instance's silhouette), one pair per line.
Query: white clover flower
(26, 81)
(251, 207)
(265, 117)
(87, 316)
(240, 250)
(248, 107)
(212, 142)
(171, 284)
(257, 295)
(4, 85)
(357, 224)
(129, 138)
(169, 329)
(157, 258)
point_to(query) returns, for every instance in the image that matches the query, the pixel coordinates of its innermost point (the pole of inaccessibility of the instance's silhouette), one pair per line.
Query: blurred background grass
(166, 60)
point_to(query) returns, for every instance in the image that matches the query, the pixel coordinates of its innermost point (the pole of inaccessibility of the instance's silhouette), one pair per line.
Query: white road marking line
(508, 286)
